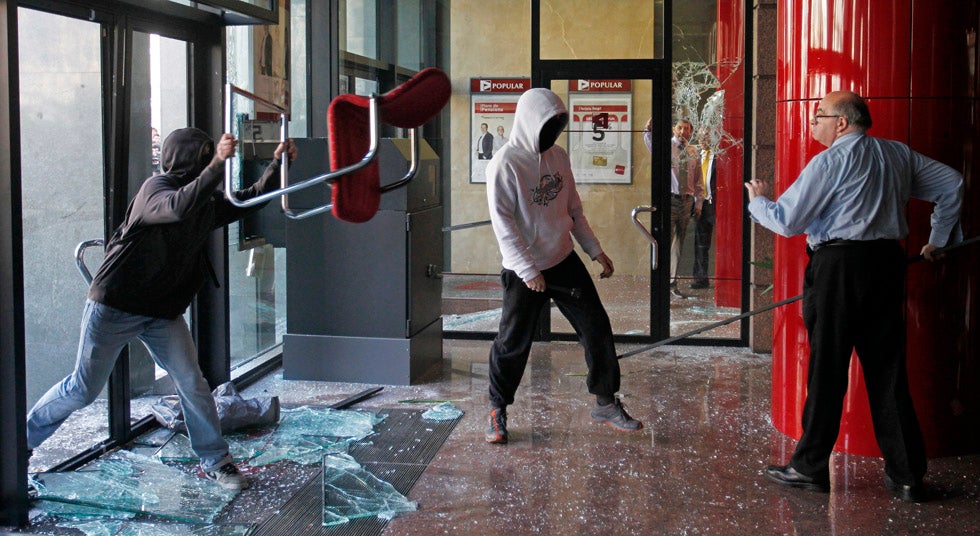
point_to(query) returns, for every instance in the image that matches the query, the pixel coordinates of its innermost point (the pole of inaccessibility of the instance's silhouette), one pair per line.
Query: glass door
(610, 119)
(159, 104)
(670, 141)
(62, 88)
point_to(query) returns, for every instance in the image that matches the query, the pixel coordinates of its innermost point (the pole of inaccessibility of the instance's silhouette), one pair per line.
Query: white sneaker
(228, 477)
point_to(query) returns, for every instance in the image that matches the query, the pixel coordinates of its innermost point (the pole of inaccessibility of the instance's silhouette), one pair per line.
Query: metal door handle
(646, 233)
(80, 258)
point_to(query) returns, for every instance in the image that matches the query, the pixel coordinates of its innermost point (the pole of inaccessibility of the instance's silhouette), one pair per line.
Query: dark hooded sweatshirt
(155, 262)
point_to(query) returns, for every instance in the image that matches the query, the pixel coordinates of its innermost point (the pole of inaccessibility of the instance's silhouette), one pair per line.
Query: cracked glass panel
(351, 492)
(127, 482)
(697, 98)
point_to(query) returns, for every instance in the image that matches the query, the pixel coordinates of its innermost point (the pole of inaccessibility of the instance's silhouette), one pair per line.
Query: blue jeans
(105, 331)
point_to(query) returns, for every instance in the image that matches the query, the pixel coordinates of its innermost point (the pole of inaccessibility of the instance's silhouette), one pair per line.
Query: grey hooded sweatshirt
(534, 206)
(155, 261)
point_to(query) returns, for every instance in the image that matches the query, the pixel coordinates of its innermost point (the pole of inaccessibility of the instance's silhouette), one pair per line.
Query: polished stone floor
(696, 467)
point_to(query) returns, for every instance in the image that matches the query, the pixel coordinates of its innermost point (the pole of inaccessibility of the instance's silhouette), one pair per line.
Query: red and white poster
(599, 131)
(493, 102)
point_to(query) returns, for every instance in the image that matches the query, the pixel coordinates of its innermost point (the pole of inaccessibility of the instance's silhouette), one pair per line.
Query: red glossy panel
(730, 192)
(790, 347)
(943, 47)
(824, 45)
(942, 298)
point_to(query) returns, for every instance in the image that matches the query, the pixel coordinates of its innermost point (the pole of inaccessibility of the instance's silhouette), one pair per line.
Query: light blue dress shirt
(857, 189)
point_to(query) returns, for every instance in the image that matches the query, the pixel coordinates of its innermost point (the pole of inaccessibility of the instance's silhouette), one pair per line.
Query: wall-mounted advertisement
(599, 137)
(493, 102)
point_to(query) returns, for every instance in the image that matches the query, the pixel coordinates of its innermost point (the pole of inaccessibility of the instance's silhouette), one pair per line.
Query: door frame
(543, 71)
(206, 67)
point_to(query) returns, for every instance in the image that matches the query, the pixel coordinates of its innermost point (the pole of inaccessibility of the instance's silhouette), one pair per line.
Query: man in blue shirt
(850, 201)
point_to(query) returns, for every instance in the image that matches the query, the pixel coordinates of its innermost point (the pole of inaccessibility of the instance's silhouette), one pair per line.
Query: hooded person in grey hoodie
(535, 211)
(155, 263)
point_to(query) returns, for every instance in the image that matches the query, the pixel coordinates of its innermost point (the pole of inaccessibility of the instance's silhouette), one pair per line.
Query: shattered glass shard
(351, 492)
(240, 446)
(128, 528)
(303, 436)
(77, 512)
(445, 411)
(130, 482)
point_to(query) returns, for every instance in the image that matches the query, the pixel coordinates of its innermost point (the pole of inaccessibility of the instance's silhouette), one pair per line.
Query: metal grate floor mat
(398, 452)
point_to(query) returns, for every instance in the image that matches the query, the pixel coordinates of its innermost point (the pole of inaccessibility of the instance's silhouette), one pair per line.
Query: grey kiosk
(364, 301)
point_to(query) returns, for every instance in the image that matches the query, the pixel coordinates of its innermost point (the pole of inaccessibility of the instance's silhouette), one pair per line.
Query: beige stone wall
(495, 42)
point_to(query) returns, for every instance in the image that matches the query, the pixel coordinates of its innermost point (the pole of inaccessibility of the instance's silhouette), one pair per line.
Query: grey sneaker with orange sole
(497, 430)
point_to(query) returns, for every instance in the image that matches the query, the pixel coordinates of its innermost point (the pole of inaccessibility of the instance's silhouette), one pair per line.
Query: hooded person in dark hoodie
(535, 212)
(155, 263)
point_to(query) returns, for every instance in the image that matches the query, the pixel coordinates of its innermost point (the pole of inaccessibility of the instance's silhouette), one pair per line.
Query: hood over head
(186, 152)
(534, 109)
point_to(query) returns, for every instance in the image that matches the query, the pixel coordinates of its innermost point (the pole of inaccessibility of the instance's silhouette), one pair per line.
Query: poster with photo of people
(599, 141)
(493, 102)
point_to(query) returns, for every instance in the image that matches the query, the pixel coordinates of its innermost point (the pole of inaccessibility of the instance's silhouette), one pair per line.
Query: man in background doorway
(686, 190)
(705, 218)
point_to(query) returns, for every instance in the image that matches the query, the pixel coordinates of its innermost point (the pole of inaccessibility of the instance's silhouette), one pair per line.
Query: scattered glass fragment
(352, 492)
(78, 512)
(303, 435)
(445, 411)
(134, 483)
(137, 528)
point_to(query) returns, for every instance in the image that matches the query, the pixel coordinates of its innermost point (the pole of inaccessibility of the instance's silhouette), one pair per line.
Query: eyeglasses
(813, 120)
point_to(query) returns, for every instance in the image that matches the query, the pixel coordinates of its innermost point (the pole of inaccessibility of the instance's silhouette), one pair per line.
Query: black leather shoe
(913, 493)
(787, 476)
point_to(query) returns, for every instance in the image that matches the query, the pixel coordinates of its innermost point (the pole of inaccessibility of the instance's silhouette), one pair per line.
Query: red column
(915, 62)
(728, 164)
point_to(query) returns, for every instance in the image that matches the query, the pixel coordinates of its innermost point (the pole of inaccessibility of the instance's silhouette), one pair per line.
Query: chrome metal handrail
(285, 189)
(230, 91)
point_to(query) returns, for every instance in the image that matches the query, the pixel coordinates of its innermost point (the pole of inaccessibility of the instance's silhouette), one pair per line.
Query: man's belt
(840, 242)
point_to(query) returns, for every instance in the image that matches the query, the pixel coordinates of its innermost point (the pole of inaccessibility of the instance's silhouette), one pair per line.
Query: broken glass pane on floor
(303, 436)
(78, 512)
(445, 411)
(241, 448)
(127, 528)
(351, 492)
(128, 482)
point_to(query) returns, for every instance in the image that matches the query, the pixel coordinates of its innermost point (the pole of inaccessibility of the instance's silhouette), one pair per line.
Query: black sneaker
(497, 431)
(228, 477)
(616, 417)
